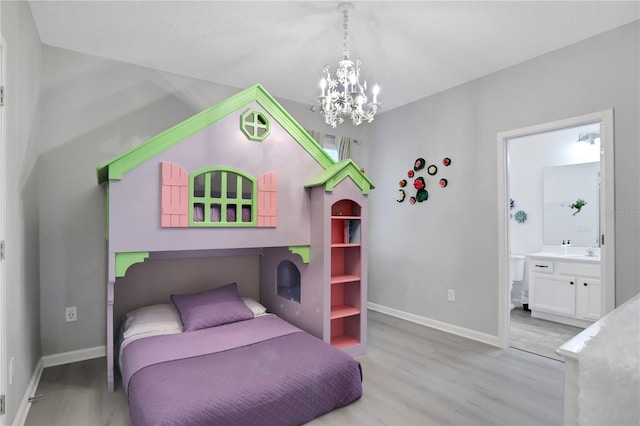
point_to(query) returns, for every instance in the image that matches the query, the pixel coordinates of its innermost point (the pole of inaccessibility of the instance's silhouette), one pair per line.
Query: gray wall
(22, 80)
(450, 242)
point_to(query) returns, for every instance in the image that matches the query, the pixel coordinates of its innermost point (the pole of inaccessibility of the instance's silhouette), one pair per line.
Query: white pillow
(154, 319)
(255, 307)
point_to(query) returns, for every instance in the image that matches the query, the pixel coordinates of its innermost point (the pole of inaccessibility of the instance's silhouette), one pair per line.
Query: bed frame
(244, 177)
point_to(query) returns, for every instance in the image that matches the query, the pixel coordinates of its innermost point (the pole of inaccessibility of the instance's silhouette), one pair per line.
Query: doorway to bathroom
(555, 186)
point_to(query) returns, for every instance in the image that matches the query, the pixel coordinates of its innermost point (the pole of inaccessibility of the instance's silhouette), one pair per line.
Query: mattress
(262, 371)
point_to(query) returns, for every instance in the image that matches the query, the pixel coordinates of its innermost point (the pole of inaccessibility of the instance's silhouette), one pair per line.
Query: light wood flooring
(413, 375)
(538, 336)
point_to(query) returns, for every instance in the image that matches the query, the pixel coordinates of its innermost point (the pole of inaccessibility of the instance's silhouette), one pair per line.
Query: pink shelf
(347, 329)
(337, 279)
(342, 311)
(343, 341)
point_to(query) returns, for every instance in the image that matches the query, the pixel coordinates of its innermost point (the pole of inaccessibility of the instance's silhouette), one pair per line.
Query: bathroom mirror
(563, 216)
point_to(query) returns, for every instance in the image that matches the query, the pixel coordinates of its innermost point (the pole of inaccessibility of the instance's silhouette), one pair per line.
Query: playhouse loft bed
(244, 176)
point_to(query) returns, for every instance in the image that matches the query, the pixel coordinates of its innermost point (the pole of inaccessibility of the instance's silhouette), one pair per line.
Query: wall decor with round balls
(419, 182)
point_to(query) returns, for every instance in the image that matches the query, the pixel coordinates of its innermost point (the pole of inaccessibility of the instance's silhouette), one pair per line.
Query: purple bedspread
(285, 377)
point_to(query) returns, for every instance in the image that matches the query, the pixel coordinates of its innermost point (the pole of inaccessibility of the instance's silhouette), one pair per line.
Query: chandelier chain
(345, 34)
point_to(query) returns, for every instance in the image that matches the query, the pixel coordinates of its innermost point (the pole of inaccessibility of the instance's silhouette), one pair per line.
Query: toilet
(516, 273)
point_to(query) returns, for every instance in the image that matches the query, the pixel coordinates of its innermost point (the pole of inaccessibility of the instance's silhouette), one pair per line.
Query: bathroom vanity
(565, 288)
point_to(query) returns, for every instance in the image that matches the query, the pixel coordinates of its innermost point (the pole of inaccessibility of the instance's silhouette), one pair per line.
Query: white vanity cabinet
(588, 298)
(564, 288)
(553, 293)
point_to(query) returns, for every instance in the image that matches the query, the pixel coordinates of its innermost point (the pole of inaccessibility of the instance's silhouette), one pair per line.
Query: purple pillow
(210, 308)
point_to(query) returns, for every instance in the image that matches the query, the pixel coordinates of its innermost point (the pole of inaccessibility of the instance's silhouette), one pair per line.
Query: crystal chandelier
(343, 97)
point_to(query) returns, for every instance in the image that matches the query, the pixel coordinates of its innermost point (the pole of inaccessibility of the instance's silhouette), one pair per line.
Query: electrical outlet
(451, 295)
(71, 313)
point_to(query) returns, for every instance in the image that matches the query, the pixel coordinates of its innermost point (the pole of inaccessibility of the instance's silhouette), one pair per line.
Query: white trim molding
(25, 405)
(435, 324)
(52, 361)
(607, 215)
(74, 356)
(3, 206)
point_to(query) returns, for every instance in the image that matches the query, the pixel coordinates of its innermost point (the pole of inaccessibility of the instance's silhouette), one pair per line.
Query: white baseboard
(51, 361)
(438, 325)
(25, 405)
(74, 356)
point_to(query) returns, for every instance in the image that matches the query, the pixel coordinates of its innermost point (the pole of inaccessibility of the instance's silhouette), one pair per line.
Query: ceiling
(411, 49)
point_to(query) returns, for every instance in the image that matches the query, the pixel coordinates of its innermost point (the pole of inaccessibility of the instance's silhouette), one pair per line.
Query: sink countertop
(570, 256)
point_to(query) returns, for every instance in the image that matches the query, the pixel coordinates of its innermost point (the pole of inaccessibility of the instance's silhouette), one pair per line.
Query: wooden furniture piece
(346, 274)
(565, 288)
(240, 178)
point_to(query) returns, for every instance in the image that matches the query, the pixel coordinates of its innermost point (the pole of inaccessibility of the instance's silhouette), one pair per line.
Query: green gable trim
(115, 171)
(115, 168)
(126, 259)
(293, 128)
(333, 175)
(302, 251)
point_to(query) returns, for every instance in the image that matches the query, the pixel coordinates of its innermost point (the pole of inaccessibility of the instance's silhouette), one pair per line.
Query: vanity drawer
(578, 268)
(541, 265)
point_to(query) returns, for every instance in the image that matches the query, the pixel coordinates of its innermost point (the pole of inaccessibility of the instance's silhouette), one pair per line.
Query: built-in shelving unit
(346, 272)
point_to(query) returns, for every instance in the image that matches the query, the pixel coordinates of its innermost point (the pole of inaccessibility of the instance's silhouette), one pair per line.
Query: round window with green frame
(222, 197)
(254, 125)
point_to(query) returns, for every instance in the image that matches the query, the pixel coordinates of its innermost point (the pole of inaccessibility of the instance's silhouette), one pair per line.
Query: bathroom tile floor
(538, 336)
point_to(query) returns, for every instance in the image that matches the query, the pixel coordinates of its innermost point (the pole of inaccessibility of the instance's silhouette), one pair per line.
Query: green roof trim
(115, 168)
(335, 173)
(126, 259)
(302, 251)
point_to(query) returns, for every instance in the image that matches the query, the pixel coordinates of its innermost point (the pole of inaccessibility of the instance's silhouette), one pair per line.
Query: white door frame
(3, 292)
(607, 216)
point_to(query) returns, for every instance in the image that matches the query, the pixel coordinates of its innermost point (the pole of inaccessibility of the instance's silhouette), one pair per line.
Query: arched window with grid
(222, 196)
